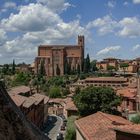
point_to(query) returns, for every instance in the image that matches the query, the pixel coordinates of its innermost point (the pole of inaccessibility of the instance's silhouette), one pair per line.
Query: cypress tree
(13, 67)
(42, 69)
(57, 70)
(88, 63)
(78, 69)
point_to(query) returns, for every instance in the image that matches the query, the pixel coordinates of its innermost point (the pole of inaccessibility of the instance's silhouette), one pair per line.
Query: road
(52, 127)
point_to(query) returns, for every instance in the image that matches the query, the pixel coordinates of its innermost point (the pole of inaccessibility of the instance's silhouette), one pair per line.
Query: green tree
(136, 119)
(71, 130)
(110, 68)
(42, 69)
(93, 99)
(85, 66)
(57, 70)
(54, 92)
(88, 63)
(77, 90)
(124, 66)
(13, 67)
(78, 69)
(5, 69)
(21, 79)
(65, 91)
(93, 66)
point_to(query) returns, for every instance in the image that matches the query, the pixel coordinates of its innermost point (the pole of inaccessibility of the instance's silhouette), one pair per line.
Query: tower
(81, 40)
(81, 43)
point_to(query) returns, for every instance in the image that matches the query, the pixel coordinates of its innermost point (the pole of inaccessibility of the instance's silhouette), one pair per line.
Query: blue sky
(111, 27)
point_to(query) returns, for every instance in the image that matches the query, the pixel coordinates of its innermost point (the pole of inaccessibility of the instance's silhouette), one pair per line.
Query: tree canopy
(93, 66)
(110, 68)
(87, 64)
(136, 119)
(93, 99)
(13, 67)
(54, 92)
(124, 66)
(42, 69)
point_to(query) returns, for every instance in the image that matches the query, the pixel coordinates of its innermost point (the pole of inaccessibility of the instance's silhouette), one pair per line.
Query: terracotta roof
(110, 58)
(46, 99)
(19, 89)
(58, 46)
(98, 126)
(127, 92)
(106, 79)
(56, 100)
(133, 129)
(18, 99)
(29, 102)
(70, 105)
(38, 98)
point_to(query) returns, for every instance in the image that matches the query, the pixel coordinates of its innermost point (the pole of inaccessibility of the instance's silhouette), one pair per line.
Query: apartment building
(34, 106)
(114, 82)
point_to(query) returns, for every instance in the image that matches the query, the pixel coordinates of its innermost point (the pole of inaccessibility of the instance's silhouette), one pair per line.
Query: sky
(111, 27)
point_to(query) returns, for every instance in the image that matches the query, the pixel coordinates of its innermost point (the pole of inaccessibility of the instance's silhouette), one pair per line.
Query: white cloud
(9, 4)
(126, 3)
(136, 1)
(32, 17)
(126, 27)
(37, 24)
(56, 5)
(108, 50)
(130, 27)
(105, 25)
(111, 4)
(136, 47)
(3, 36)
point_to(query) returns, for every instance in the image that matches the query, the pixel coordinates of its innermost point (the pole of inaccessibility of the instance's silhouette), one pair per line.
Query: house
(98, 126)
(104, 65)
(21, 90)
(56, 106)
(34, 106)
(129, 96)
(114, 82)
(128, 132)
(70, 108)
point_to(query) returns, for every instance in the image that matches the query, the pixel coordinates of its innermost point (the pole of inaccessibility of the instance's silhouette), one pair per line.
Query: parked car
(50, 118)
(62, 127)
(59, 136)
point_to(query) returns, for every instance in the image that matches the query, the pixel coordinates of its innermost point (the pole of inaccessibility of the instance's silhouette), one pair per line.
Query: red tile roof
(98, 126)
(19, 89)
(56, 100)
(133, 129)
(18, 99)
(38, 98)
(70, 105)
(116, 79)
(29, 102)
(127, 92)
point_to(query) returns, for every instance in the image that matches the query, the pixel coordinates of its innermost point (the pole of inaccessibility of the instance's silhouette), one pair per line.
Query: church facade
(57, 57)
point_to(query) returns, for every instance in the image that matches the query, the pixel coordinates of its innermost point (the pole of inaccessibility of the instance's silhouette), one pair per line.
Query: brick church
(55, 57)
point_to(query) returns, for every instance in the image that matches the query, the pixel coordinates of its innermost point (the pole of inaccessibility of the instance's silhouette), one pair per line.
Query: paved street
(52, 127)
